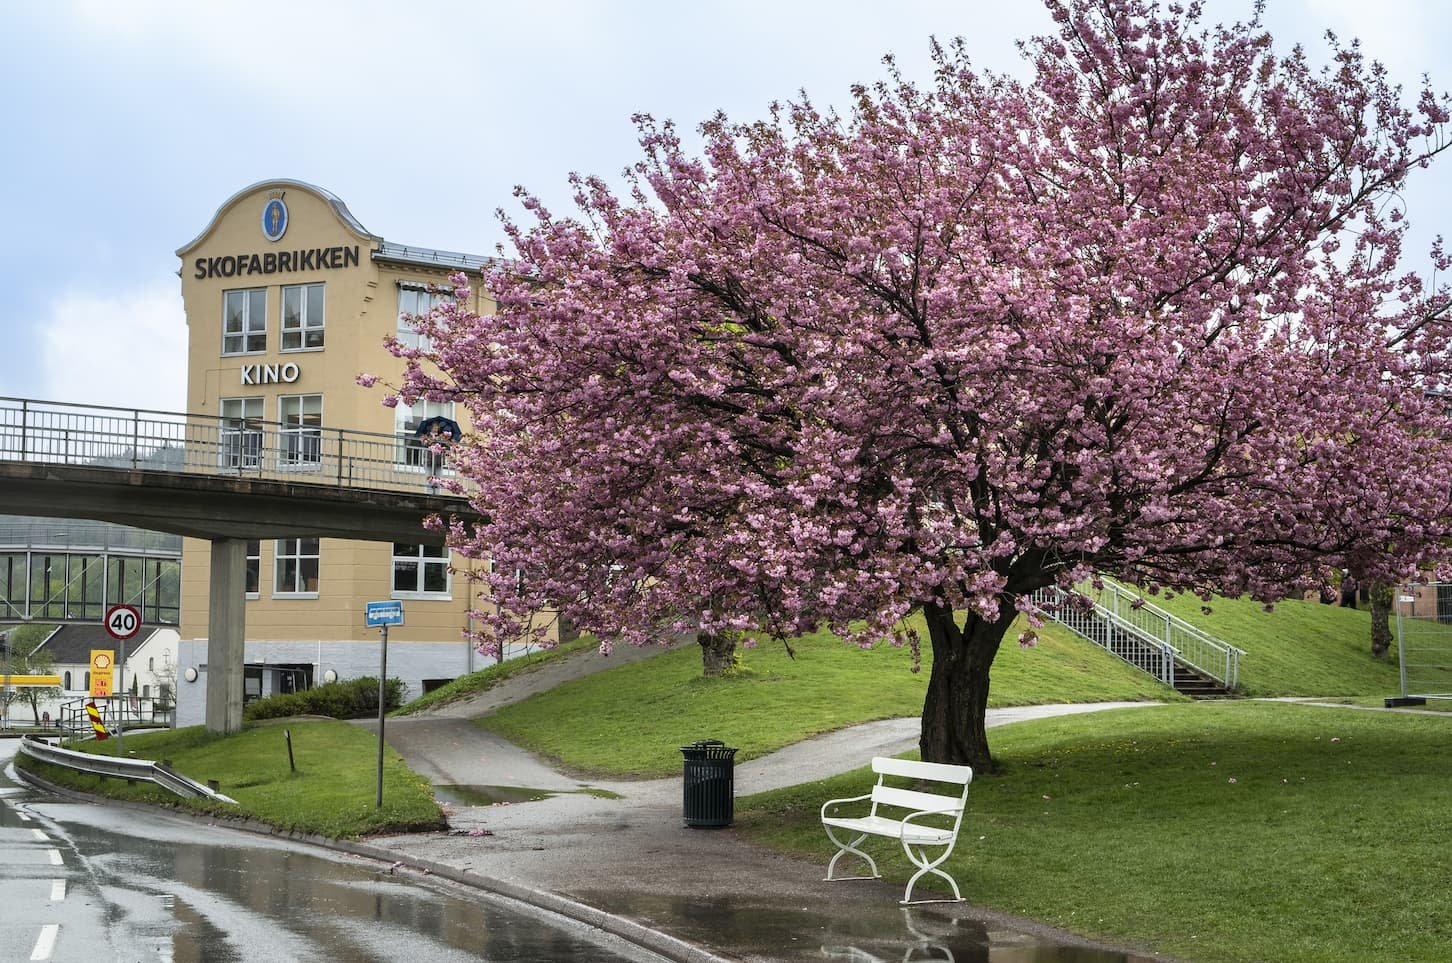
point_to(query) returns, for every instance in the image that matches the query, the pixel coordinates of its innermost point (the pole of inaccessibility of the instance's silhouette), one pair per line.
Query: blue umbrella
(447, 427)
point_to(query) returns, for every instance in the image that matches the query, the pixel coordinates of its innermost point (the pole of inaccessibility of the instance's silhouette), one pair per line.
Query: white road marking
(40, 834)
(23, 818)
(57, 890)
(45, 945)
(55, 858)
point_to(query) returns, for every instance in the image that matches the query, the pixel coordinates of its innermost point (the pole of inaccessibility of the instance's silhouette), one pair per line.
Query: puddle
(489, 795)
(862, 934)
(494, 795)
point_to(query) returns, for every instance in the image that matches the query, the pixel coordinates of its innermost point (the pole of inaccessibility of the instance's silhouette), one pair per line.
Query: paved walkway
(707, 894)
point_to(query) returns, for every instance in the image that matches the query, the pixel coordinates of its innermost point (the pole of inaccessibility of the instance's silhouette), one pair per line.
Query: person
(1348, 590)
(437, 443)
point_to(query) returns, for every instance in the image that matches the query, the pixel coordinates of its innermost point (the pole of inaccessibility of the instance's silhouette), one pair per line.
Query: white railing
(1198, 649)
(138, 439)
(1148, 622)
(1102, 627)
(129, 769)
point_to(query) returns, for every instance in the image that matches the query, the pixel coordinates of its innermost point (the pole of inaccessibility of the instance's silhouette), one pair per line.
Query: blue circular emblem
(274, 219)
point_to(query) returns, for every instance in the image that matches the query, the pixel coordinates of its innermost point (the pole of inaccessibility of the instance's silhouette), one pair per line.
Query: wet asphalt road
(90, 883)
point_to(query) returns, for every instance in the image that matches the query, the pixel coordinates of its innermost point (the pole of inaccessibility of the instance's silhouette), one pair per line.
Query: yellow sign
(103, 663)
(24, 680)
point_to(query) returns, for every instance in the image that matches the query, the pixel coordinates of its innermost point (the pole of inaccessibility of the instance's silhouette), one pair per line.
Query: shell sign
(103, 665)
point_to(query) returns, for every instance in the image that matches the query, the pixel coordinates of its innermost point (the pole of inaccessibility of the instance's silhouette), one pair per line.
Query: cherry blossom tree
(1143, 314)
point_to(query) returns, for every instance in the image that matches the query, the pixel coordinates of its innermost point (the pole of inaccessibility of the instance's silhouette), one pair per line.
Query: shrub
(345, 699)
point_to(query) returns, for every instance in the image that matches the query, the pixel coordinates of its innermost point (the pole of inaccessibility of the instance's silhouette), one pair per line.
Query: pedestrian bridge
(224, 480)
(209, 477)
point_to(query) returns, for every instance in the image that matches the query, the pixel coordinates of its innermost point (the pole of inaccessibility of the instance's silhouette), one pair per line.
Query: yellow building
(288, 299)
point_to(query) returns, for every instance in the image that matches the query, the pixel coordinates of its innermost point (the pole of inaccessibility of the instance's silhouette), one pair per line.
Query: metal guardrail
(60, 433)
(1153, 626)
(130, 769)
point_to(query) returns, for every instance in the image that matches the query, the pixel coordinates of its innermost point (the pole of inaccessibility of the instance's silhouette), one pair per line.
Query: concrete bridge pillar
(226, 634)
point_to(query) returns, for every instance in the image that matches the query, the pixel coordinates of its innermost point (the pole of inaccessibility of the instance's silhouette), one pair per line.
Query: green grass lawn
(333, 792)
(1211, 831)
(631, 720)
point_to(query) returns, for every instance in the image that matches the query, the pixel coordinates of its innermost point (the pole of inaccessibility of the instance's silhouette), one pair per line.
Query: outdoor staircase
(1148, 638)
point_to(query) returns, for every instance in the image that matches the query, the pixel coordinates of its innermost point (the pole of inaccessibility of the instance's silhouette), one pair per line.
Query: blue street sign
(383, 613)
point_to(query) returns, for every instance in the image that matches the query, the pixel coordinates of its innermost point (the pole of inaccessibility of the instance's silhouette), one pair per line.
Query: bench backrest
(918, 800)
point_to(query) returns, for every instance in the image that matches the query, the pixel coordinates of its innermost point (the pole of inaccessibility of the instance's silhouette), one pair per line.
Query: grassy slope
(630, 720)
(487, 678)
(1301, 648)
(333, 792)
(1212, 831)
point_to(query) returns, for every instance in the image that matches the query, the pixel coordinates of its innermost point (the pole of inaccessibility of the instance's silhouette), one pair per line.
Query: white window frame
(300, 443)
(251, 327)
(292, 549)
(423, 562)
(416, 298)
(242, 444)
(308, 324)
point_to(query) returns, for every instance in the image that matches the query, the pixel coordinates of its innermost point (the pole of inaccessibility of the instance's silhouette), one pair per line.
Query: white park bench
(920, 822)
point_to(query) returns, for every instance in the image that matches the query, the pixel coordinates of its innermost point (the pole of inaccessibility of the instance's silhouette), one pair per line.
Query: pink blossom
(970, 340)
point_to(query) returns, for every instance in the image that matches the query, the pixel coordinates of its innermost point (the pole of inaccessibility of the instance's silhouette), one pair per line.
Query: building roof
(333, 200)
(82, 535)
(72, 644)
(428, 257)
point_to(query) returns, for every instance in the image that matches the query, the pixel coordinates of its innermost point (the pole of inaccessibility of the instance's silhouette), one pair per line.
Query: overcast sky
(127, 122)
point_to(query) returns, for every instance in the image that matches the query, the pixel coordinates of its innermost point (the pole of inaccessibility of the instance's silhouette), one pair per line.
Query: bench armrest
(908, 819)
(849, 799)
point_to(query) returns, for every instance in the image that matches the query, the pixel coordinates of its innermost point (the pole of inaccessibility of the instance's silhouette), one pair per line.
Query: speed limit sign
(122, 622)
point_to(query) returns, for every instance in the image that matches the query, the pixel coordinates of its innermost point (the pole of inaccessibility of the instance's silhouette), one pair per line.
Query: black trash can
(709, 783)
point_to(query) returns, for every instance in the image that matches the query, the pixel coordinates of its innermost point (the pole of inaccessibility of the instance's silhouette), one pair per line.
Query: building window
(410, 452)
(416, 299)
(254, 568)
(14, 574)
(244, 321)
(295, 567)
(420, 569)
(302, 430)
(88, 680)
(242, 433)
(302, 316)
(162, 600)
(67, 680)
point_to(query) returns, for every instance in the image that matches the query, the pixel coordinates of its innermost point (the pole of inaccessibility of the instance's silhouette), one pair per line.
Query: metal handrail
(1198, 649)
(144, 769)
(1151, 624)
(1161, 656)
(62, 433)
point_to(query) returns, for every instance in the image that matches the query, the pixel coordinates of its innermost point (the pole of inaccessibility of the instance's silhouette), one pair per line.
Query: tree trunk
(718, 653)
(957, 699)
(1381, 596)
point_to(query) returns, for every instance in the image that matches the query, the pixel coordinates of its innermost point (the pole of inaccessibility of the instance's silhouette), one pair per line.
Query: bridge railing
(53, 432)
